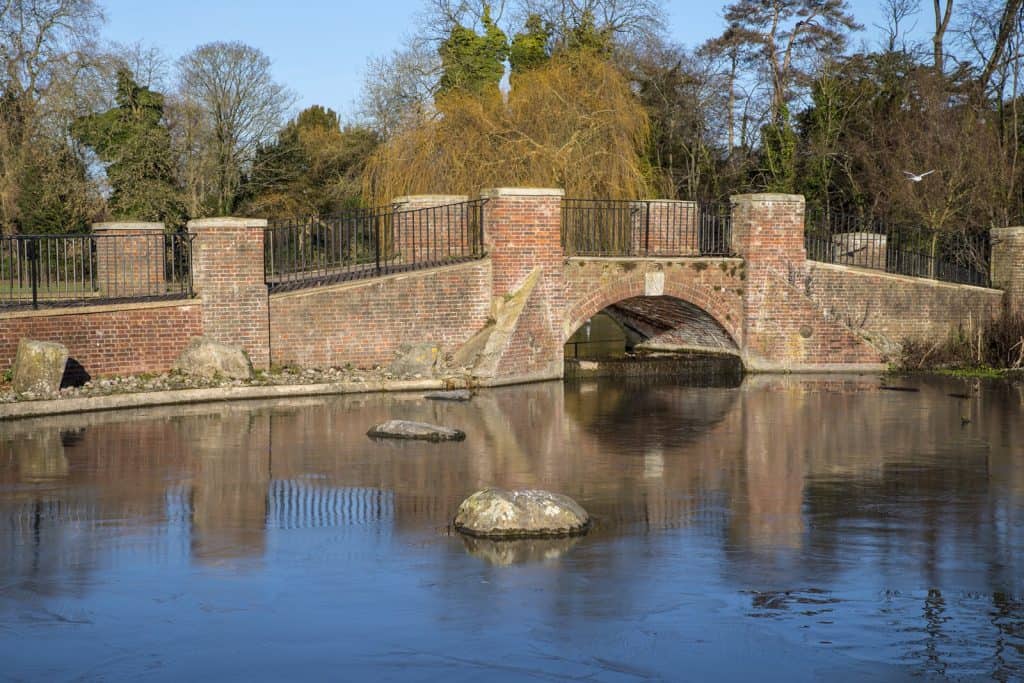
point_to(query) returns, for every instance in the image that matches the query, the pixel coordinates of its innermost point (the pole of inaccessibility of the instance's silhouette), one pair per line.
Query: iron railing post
(32, 251)
(647, 229)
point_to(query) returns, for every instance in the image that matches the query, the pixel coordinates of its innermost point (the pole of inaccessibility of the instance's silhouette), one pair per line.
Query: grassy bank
(993, 350)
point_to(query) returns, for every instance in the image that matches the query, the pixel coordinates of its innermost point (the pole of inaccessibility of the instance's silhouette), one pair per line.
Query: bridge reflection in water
(793, 499)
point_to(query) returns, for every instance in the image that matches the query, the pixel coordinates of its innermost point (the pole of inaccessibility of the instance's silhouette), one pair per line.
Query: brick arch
(629, 285)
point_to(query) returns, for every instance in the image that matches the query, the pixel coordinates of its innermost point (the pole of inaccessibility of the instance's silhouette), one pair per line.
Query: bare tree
(942, 17)
(399, 89)
(241, 106)
(897, 13)
(45, 46)
(628, 21)
(789, 37)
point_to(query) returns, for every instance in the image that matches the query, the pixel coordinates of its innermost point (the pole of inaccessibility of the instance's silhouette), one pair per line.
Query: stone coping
(908, 279)
(1013, 231)
(65, 406)
(214, 223)
(376, 279)
(424, 198)
(522, 192)
(99, 308)
(129, 226)
(656, 259)
(766, 197)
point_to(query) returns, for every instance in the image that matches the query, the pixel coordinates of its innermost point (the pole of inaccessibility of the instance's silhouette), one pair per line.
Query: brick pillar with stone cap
(782, 328)
(523, 237)
(228, 277)
(130, 259)
(1008, 266)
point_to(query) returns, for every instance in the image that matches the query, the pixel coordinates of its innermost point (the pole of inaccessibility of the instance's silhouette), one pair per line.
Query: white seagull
(915, 177)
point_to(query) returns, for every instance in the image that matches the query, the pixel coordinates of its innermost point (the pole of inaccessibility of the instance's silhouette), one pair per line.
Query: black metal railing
(364, 243)
(604, 227)
(67, 270)
(903, 250)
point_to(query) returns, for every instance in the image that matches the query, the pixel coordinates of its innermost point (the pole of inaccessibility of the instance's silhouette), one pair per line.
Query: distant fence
(66, 270)
(902, 250)
(603, 227)
(364, 243)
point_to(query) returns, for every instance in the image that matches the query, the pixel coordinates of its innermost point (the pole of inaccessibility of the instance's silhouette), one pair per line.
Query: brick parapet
(364, 323)
(228, 277)
(1008, 266)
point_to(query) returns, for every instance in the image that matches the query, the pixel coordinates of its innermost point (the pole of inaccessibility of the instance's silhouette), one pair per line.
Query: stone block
(39, 368)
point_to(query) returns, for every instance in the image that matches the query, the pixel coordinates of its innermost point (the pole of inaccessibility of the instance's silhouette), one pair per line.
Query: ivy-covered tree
(530, 48)
(133, 142)
(472, 62)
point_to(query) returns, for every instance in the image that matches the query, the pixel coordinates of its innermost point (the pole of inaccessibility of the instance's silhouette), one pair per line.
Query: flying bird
(914, 177)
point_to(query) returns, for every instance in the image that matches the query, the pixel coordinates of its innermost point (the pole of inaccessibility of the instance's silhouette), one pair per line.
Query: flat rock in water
(456, 395)
(421, 431)
(497, 513)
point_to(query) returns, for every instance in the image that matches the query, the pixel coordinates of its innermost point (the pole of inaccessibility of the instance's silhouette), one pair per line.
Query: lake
(792, 528)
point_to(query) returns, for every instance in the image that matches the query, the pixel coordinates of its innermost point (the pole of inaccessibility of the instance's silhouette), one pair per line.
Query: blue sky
(320, 48)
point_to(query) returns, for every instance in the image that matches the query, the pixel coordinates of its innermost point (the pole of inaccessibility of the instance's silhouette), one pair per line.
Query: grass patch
(983, 372)
(989, 350)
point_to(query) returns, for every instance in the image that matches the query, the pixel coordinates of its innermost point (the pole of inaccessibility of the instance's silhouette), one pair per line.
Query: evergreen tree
(313, 168)
(133, 141)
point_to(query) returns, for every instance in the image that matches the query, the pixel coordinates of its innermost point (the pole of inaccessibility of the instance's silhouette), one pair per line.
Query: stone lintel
(494, 192)
(226, 222)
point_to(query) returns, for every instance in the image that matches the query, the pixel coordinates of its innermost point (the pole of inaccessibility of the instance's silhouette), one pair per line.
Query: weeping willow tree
(572, 123)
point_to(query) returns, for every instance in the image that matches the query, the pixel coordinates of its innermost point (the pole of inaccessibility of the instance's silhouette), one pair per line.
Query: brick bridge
(508, 313)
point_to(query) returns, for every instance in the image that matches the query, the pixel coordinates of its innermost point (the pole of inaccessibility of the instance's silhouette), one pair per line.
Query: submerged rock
(497, 513)
(204, 357)
(455, 395)
(503, 553)
(407, 429)
(38, 368)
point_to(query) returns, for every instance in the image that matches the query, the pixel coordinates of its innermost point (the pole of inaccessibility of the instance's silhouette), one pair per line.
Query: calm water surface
(789, 529)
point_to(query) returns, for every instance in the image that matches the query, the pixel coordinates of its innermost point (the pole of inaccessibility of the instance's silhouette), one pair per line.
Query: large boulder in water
(420, 431)
(38, 368)
(497, 513)
(204, 357)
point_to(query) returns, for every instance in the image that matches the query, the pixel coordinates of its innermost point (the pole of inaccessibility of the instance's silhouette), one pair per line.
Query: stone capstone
(454, 395)
(38, 367)
(204, 357)
(497, 513)
(420, 431)
(416, 359)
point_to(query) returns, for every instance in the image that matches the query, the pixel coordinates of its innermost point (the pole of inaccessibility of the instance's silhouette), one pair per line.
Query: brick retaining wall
(108, 340)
